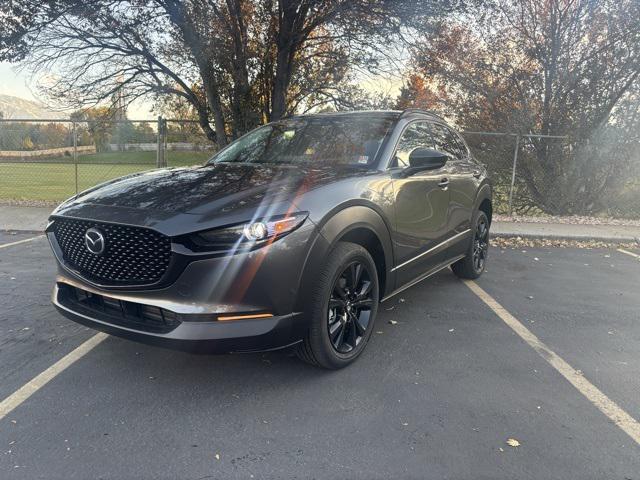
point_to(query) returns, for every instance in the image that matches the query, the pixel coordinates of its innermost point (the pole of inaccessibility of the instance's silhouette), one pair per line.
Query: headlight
(249, 234)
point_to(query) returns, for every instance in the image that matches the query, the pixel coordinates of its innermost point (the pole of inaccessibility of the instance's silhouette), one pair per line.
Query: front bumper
(262, 281)
(198, 336)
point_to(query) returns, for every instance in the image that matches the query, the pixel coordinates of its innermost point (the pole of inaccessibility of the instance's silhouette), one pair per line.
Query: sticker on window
(363, 159)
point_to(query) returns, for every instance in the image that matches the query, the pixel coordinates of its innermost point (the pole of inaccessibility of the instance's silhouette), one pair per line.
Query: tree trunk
(216, 109)
(280, 85)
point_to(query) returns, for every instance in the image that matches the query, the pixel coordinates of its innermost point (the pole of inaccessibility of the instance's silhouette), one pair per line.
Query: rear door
(463, 185)
(421, 207)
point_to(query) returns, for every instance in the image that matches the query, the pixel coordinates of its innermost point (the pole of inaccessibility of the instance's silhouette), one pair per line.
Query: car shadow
(396, 324)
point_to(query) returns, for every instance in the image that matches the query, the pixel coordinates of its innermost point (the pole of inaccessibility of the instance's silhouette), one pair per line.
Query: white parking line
(5, 245)
(23, 393)
(607, 406)
(622, 250)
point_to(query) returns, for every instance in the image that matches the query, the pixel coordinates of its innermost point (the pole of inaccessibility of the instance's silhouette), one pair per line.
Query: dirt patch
(519, 242)
(568, 220)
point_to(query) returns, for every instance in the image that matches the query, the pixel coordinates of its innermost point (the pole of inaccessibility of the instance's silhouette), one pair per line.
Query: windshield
(344, 140)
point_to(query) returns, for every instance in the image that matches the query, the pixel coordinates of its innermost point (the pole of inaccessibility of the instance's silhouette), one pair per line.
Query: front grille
(132, 255)
(146, 318)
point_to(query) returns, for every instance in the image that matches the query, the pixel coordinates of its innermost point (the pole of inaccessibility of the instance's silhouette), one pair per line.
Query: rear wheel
(343, 308)
(473, 264)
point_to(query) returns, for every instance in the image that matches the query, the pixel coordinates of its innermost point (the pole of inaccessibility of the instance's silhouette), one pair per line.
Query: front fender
(334, 227)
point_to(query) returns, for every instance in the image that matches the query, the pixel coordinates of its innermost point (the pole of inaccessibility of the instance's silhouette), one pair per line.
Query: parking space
(9, 238)
(632, 252)
(32, 336)
(441, 387)
(584, 305)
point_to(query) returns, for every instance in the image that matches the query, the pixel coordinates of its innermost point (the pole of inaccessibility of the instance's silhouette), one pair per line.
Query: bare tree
(238, 62)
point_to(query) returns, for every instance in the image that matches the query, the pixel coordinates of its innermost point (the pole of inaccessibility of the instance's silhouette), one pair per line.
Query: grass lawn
(55, 181)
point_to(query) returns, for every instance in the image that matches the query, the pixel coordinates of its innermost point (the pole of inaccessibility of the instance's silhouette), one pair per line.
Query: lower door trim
(443, 244)
(424, 276)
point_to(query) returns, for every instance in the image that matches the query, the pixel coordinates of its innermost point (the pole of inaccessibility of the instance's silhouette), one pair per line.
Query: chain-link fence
(50, 160)
(506, 156)
(558, 175)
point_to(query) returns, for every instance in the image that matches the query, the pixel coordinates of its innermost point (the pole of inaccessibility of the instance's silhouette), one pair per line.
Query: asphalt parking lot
(442, 386)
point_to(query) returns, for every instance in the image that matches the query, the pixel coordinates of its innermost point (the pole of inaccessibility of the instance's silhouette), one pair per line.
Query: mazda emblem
(94, 240)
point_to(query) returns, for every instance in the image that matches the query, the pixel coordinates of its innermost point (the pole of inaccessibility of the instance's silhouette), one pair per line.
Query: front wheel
(343, 308)
(472, 265)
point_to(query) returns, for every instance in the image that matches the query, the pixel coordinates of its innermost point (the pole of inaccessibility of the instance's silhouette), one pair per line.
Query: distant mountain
(16, 107)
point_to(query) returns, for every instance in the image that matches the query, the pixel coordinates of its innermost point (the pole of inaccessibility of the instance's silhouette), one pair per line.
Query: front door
(421, 208)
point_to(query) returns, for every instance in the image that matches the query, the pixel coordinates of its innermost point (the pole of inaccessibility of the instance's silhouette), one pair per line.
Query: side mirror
(427, 159)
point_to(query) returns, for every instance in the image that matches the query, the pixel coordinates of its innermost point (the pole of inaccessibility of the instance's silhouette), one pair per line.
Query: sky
(13, 82)
(18, 83)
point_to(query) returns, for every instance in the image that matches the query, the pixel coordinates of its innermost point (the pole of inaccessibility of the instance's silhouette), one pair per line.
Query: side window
(416, 135)
(447, 141)
(461, 145)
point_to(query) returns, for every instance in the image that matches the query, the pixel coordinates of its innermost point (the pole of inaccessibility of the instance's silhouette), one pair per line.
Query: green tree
(98, 123)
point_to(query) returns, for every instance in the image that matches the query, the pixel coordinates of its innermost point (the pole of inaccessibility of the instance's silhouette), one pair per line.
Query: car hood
(212, 195)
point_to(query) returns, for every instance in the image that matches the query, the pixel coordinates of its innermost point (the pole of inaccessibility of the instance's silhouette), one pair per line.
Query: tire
(470, 266)
(337, 306)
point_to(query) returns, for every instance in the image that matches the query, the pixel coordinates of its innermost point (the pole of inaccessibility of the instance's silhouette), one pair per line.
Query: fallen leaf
(512, 442)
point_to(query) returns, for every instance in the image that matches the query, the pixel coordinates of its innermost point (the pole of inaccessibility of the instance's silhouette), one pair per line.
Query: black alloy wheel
(480, 244)
(475, 260)
(349, 309)
(343, 308)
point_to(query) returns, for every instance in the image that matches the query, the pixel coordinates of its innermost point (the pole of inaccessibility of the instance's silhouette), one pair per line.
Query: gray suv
(290, 236)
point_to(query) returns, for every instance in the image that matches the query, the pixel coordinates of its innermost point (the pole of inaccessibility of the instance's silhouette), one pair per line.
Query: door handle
(444, 183)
